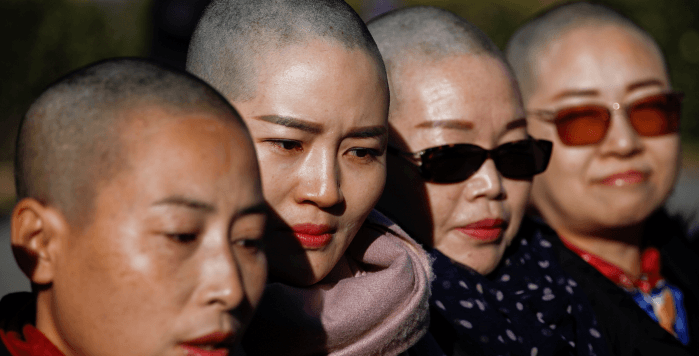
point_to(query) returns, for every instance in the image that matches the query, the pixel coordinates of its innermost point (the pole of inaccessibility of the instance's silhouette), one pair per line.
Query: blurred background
(45, 39)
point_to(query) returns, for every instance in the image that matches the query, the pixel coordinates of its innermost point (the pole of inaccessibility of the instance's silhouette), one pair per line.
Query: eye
(365, 154)
(182, 237)
(286, 145)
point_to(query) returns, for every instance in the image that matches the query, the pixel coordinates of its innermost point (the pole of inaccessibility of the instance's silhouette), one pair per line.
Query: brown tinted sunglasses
(588, 124)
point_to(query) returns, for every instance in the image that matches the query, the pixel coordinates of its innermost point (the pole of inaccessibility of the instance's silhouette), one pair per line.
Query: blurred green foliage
(673, 23)
(46, 39)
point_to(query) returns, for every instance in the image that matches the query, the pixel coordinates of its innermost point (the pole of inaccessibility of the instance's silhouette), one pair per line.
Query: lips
(486, 230)
(624, 178)
(215, 344)
(312, 236)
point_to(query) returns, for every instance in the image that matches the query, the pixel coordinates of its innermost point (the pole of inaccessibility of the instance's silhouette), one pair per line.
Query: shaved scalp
(69, 140)
(233, 35)
(533, 39)
(426, 33)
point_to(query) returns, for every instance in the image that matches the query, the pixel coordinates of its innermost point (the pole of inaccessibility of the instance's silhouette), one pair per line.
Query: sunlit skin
(172, 252)
(604, 66)
(459, 99)
(318, 120)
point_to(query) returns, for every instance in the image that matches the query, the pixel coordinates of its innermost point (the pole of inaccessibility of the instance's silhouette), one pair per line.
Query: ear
(37, 231)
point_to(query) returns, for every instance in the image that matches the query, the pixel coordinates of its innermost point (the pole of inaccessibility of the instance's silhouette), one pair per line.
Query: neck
(619, 246)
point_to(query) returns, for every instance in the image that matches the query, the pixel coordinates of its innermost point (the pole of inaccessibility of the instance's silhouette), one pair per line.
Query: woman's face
(460, 99)
(318, 120)
(622, 179)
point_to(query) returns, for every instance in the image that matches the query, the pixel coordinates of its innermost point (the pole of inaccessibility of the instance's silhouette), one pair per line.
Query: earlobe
(36, 231)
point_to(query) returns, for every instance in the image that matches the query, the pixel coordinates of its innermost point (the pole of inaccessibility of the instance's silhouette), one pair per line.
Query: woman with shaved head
(460, 169)
(597, 85)
(310, 84)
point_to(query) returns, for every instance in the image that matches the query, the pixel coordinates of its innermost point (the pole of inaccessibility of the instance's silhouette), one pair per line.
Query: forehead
(477, 89)
(598, 57)
(172, 151)
(319, 81)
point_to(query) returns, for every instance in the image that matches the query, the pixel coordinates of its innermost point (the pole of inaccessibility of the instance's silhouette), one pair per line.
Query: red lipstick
(312, 236)
(215, 344)
(625, 178)
(486, 230)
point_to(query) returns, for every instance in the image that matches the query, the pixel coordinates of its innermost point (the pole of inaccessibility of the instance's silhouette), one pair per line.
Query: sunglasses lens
(523, 159)
(452, 163)
(583, 125)
(656, 115)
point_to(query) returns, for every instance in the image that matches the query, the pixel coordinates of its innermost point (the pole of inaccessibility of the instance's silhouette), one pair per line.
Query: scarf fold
(527, 306)
(382, 310)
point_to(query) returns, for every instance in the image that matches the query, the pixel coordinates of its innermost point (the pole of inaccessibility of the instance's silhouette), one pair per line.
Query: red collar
(650, 268)
(34, 343)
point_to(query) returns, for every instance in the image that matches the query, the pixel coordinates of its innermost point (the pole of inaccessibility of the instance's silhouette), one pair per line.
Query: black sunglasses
(456, 163)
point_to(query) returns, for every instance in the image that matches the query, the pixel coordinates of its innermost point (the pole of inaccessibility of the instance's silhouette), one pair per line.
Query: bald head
(69, 139)
(425, 33)
(533, 39)
(234, 36)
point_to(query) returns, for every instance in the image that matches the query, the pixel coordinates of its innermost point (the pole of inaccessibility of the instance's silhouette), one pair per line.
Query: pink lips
(486, 230)
(215, 344)
(625, 178)
(312, 236)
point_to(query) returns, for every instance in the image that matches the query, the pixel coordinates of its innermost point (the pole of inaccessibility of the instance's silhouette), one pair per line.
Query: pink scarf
(382, 310)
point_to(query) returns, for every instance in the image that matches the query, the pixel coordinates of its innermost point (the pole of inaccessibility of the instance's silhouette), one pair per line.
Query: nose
(221, 282)
(622, 139)
(319, 180)
(485, 183)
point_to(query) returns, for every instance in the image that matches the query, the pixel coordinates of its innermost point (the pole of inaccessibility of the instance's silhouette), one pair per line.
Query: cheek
(362, 188)
(517, 192)
(276, 177)
(446, 201)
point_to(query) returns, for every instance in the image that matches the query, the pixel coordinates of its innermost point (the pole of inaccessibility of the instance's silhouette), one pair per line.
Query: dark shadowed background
(45, 39)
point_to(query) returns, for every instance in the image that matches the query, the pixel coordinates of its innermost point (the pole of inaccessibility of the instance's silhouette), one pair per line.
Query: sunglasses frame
(545, 147)
(551, 115)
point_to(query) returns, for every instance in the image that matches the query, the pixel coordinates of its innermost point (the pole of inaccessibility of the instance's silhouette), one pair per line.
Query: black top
(627, 328)
(16, 310)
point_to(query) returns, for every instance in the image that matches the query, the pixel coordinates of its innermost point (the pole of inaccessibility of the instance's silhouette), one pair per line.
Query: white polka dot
(480, 304)
(569, 289)
(543, 264)
(520, 306)
(524, 242)
(571, 343)
(569, 309)
(501, 339)
(466, 304)
(511, 334)
(547, 290)
(548, 278)
(507, 262)
(479, 288)
(545, 243)
(572, 282)
(505, 277)
(540, 317)
(499, 296)
(552, 326)
(532, 286)
(466, 324)
(595, 333)
(548, 297)
(463, 284)
(440, 305)
(519, 292)
(535, 351)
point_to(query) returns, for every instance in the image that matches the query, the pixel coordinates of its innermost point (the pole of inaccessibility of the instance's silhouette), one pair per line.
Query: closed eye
(184, 238)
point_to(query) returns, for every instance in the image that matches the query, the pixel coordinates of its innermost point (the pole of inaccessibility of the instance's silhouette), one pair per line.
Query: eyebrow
(186, 203)
(259, 208)
(516, 124)
(576, 92)
(644, 83)
(454, 124)
(294, 123)
(368, 132)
